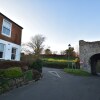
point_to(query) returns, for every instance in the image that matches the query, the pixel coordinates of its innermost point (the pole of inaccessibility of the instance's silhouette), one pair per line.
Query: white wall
(8, 50)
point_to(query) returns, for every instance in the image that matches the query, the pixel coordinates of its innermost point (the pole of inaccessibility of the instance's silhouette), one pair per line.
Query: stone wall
(88, 49)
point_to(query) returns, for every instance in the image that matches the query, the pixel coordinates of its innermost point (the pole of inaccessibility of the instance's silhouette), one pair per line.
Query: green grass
(77, 72)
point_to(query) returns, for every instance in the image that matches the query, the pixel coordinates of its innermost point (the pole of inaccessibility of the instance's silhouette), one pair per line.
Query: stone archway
(94, 60)
(89, 55)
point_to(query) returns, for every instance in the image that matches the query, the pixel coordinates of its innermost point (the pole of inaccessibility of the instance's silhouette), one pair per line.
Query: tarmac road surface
(57, 85)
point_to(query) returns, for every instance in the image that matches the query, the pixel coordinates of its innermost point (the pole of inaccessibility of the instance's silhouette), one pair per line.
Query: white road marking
(54, 73)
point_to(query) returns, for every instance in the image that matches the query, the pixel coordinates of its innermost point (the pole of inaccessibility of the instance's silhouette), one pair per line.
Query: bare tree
(35, 46)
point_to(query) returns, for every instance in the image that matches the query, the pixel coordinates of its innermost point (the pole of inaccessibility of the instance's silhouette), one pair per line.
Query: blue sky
(62, 22)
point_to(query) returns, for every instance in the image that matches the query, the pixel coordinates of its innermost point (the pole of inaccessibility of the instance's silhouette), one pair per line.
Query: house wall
(8, 50)
(16, 32)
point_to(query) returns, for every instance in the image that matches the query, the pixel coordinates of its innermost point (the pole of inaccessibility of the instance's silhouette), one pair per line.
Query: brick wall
(15, 33)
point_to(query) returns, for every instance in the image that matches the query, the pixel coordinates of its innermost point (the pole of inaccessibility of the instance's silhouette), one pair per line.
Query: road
(57, 85)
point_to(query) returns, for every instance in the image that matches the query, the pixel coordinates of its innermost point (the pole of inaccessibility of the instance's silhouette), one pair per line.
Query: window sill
(6, 35)
(2, 59)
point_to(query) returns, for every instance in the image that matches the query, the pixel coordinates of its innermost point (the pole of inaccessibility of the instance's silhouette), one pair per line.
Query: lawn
(78, 72)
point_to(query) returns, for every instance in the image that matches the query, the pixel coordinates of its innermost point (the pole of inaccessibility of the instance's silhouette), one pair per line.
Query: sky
(62, 22)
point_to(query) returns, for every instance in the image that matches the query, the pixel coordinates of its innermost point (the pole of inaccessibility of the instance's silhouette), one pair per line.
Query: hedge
(7, 64)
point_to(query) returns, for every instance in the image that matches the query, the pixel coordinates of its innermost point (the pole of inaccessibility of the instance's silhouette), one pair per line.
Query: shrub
(4, 87)
(2, 72)
(11, 72)
(32, 75)
(28, 75)
(37, 64)
(36, 75)
(7, 64)
(6, 75)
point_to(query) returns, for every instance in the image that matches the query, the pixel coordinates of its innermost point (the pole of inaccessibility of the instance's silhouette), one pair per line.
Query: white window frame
(3, 51)
(4, 20)
(14, 53)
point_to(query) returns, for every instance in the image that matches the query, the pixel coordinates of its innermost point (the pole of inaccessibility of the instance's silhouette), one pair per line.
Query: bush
(28, 75)
(37, 64)
(2, 72)
(6, 76)
(7, 64)
(36, 75)
(11, 72)
(4, 87)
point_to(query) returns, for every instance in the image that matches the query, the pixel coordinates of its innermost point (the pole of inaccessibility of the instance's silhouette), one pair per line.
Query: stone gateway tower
(90, 55)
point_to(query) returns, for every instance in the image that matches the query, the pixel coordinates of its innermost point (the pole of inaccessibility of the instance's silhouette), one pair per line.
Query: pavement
(57, 85)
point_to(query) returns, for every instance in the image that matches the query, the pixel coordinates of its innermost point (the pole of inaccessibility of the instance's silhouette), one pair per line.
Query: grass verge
(77, 72)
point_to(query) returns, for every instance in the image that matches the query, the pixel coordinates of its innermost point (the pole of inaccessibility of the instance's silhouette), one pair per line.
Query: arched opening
(95, 64)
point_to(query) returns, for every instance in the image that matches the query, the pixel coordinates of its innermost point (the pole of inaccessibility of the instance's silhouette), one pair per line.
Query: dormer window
(6, 28)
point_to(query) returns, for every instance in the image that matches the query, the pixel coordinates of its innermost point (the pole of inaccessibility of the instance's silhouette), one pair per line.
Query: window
(13, 55)
(1, 50)
(6, 28)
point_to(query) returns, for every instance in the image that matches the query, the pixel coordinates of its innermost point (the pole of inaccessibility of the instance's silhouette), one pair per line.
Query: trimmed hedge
(60, 65)
(55, 65)
(54, 56)
(7, 64)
